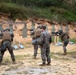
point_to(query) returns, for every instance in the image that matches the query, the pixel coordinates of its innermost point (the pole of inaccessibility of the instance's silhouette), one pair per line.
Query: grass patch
(73, 40)
(59, 56)
(68, 57)
(53, 55)
(18, 57)
(7, 60)
(72, 53)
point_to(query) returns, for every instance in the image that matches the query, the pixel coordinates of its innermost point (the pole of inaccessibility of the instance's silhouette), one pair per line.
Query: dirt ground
(26, 65)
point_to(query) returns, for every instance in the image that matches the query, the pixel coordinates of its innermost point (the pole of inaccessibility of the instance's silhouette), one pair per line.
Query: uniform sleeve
(50, 39)
(12, 35)
(40, 40)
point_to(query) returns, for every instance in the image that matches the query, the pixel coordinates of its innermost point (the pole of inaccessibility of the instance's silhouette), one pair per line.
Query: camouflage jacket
(64, 36)
(44, 39)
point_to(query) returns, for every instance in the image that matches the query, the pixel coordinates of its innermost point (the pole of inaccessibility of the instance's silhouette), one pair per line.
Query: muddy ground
(26, 65)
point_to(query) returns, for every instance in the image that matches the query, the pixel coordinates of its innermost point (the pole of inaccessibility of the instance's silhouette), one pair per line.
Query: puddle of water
(34, 71)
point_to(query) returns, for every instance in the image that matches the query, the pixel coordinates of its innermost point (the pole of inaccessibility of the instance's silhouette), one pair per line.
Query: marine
(44, 41)
(36, 35)
(65, 39)
(7, 39)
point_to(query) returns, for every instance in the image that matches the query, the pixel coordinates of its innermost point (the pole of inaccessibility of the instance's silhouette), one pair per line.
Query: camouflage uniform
(35, 50)
(6, 44)
(65, 39)
(36, 35)
(43, 41)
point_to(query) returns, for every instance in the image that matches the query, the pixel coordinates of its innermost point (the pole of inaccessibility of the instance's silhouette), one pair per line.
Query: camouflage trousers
(65, 43)
(7, 45)
(45, 55)
(35, 50)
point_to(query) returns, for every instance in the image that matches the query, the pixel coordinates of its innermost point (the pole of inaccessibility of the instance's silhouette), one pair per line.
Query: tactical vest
(47, 38)
(6, 36)
(37, 32)
(64, 36)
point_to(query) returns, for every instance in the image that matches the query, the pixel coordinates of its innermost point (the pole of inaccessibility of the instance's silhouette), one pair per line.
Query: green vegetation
(72, 53)
(73, 40)
(68, 57)
(60, 10)
(21, 56)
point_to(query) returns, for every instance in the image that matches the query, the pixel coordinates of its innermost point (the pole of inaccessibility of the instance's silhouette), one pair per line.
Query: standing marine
(65, 39)
(7, 39)
(44, 41)
(36, 34)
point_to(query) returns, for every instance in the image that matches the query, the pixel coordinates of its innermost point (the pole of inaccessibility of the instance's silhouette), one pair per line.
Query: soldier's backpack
(6, 36)
(64, 36)
(37, 32)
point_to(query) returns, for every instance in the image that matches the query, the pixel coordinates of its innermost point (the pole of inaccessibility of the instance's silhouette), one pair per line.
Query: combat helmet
(60, 32)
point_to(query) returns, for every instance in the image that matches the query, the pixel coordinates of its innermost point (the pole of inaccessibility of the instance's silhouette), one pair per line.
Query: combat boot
(65, 53)
(43, 64)
(48, 64)
(13, 62)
